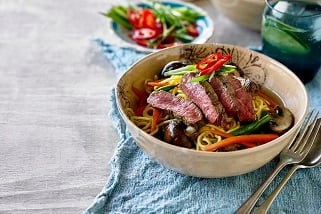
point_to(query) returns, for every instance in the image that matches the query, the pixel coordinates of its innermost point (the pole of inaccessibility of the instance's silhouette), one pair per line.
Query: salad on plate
(159, 24)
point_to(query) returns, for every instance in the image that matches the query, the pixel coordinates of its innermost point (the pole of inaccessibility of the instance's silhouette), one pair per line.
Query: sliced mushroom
(174, 134)
(282, 120)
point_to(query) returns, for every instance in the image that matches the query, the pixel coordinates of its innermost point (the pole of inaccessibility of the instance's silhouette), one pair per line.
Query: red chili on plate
(142, 18)
(192, 30)
(144, 33)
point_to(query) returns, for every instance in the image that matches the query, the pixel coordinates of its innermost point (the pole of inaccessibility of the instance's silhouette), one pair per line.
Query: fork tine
(297, 134)
(315, 127)
(305, 132)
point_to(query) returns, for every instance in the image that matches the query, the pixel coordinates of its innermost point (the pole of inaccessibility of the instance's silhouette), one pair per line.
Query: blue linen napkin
(138, 184)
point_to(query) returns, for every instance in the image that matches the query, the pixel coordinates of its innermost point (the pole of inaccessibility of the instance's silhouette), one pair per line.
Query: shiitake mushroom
(173, 133)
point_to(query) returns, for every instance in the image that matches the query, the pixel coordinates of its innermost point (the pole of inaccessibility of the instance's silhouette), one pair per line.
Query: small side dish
(159, 24)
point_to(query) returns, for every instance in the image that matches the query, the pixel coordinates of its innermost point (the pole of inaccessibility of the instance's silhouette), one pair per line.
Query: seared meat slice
(226, 94)
(205, 98)
(184, 109)
(244, 98)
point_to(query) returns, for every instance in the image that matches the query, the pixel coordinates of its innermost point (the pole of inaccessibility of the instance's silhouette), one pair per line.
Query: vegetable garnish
(206, 68)
(253, 138)
(165, 88)
(221, 133)
(158, 83)
(192, 30)
(249, 128)
(144, 33)
(161, 85)
(119, 15)
(201, 78)
(212, 63)
(142, 18)
(156, 115)
(181, 71)
(142, 100)
(157, 25)
(271, 103)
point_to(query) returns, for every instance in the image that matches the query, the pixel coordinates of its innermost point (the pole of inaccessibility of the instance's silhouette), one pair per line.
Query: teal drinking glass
(291, 34)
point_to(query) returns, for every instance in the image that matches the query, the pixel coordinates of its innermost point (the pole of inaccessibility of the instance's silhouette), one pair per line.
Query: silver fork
(312, 159)
(293, 153)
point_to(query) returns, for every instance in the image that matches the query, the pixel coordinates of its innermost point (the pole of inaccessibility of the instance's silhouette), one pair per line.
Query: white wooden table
(55, 135)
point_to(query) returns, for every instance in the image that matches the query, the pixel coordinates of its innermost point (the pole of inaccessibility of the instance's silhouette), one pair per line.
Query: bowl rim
(161, 143)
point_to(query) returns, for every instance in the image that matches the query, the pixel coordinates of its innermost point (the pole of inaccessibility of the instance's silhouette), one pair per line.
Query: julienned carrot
(158, 83)
(155, 118)
(271, 102)
(226, 135)
(220, 133)
(248, 145)
(142, 100)
(253, 138)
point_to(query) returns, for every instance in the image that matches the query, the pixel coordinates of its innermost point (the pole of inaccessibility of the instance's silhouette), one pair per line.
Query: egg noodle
(206, 134)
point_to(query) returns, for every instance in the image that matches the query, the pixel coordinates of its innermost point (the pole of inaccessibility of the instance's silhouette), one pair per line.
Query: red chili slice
(144, 33)
(169, 39)
(148, 19)
(142, 18)
(208, 61)
(134, 18)
(192, 30)
(212, 63)
(141, 42)
(167, 45)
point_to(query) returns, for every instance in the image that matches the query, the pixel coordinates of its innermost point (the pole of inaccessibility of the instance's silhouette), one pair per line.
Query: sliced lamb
(184, 109)
(226, 94)
(244, 98)
(204, 96)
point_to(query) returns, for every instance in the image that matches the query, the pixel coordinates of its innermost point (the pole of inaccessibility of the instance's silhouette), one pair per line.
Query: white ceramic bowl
(259, 68)
(245, 12)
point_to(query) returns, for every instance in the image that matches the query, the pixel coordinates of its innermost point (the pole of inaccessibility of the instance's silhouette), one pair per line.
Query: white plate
(205, 27)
